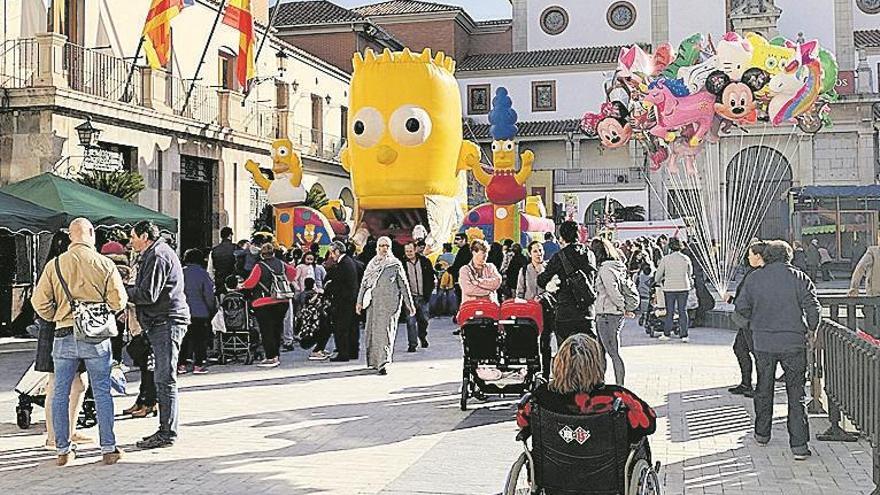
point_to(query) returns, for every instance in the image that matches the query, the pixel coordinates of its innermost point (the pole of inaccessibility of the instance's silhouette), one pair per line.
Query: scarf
(375, 268)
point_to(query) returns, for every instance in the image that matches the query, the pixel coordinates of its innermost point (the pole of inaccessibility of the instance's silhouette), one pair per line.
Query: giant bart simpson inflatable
(405, 154)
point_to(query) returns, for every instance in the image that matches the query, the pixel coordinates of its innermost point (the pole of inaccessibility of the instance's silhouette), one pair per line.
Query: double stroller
(501, 350)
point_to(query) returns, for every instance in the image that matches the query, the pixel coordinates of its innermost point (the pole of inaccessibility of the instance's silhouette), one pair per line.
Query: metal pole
(137, 54)
(263, 42)
(204, 54)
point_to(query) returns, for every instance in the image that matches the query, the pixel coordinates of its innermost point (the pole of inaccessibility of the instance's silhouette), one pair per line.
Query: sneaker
(181, 369)
(411, 348)
(269, 363)
(64, 459)
(200, 370)
(663, 338)
(802, 455)
(112, 457)
(685, 340)
(319, 356)
(155, 441)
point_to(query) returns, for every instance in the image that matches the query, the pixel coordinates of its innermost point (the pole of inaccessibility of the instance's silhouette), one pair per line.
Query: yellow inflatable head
(503, 154)
(404, 128)
(284, 159)
(771, 58)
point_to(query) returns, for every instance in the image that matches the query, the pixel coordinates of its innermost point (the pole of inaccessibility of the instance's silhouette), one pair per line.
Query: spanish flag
(238, 15)
(157, 30)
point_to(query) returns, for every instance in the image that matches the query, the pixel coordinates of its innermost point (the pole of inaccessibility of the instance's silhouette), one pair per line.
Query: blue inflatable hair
(503, 116)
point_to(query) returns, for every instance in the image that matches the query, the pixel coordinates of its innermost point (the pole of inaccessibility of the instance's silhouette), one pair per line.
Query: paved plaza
(326, 428)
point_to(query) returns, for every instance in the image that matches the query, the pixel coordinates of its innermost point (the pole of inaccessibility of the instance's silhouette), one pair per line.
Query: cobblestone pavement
(310, 428)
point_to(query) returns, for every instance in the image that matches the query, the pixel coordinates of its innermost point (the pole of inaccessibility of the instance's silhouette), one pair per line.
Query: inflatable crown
(369, 57)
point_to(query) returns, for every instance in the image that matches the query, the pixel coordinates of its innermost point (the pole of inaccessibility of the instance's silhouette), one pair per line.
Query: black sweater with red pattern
(642, 420)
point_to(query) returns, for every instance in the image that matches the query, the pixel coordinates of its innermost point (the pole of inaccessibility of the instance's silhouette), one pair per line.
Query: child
(644, 279)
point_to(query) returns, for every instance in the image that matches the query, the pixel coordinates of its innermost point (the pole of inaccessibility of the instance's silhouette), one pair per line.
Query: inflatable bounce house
(406, 154)
(295, 225)
(509, 214)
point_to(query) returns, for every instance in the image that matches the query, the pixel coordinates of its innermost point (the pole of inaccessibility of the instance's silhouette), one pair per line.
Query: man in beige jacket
(868, 266)
(90, 278)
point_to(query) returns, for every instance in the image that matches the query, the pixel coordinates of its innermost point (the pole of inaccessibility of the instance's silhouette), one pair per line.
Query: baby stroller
(655, 319)
(238, 337)
(501, 355)
(31, 389)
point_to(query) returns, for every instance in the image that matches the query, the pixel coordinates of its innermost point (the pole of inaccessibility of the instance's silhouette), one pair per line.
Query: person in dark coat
(421, 277)
(516, 264)
(783, 310)
(222, 258)
(199, 290)
(743, 347)
(342, 287)
(569, 318)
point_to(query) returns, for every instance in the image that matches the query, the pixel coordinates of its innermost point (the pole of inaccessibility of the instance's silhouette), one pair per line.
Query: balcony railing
(260, 119)
(602, 177)
(101, 75)
(19, 61)
(204, 104)
(315, 142)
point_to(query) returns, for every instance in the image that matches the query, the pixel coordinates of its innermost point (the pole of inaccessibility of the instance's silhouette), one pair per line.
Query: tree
(119, 183)
(630, 214)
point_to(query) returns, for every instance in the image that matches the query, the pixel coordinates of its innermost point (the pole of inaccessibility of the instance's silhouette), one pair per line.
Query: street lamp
(88, 134)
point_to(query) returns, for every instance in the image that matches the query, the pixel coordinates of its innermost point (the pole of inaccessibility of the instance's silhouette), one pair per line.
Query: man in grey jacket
(158, 294)
(675, 274)
(783, 311)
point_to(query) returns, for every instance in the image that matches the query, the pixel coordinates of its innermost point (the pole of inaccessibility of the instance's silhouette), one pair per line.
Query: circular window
(869, 6)
(621, 15)
(554, 20)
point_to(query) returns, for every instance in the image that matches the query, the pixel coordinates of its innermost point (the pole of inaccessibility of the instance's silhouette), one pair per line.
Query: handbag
(578, 283)
(92, 320)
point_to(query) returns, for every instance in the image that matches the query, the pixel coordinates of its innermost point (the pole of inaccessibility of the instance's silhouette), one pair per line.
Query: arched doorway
(758, 182)
(599, 212)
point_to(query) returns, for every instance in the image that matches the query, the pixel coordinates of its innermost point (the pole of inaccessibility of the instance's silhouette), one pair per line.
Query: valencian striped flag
(157, 30)
(238, 15)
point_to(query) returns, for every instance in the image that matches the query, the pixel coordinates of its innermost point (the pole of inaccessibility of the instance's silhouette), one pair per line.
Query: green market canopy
(20, 216)
(72, 200)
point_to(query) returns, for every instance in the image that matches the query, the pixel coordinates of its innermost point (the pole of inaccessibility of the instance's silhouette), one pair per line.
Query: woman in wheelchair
(602, 452)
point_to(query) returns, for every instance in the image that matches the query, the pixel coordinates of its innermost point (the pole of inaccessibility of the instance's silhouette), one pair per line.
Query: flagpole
(204, 54)
(137, 55)
(263, 42)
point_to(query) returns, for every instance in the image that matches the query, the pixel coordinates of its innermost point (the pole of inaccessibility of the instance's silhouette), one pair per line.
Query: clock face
(869, 6)
(554, 20)
(621, 15)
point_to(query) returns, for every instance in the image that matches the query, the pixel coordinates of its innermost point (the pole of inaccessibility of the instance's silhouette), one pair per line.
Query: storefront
(844, 219)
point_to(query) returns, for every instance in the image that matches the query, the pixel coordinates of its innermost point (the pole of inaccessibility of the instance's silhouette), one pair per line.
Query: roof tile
(397, 7)
(527, 128)
(541, 58)
(311, 12)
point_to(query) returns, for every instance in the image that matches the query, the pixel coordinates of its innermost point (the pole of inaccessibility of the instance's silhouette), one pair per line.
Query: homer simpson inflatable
(406, 154)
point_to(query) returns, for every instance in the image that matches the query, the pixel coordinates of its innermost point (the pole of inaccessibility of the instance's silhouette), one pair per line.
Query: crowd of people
(586, 290)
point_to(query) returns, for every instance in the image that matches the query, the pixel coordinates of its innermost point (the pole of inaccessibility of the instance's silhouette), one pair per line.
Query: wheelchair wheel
(643, 480)
(518, 479)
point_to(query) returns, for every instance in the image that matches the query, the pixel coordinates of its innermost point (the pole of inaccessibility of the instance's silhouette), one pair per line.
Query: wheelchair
(582, 455)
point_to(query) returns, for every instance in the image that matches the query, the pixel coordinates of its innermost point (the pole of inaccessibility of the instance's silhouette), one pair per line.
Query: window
(479, 99)
(318, 123)
(227, 79)
(621, 15)
(869, 6)
(554, 20)
(544, 96)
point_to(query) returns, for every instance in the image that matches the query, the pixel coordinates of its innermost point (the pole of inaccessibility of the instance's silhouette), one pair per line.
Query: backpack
(631, 298)
(578, 282)
(281, 287)
(308, 320)
(446, 280)
(235, 311)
